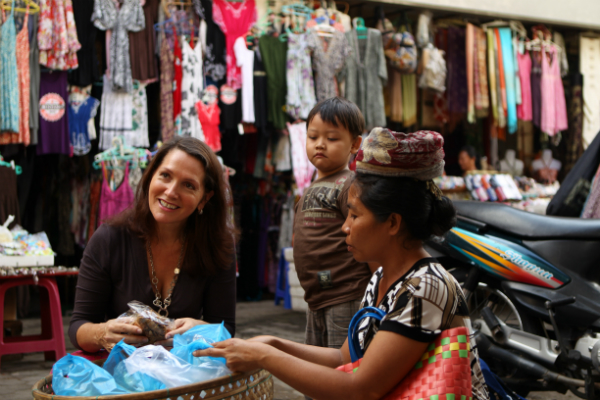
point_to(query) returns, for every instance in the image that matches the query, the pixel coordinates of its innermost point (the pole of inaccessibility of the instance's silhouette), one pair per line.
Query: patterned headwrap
(418, 155)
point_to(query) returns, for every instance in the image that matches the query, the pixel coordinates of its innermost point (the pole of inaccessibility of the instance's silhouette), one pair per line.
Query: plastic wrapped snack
(154, 326)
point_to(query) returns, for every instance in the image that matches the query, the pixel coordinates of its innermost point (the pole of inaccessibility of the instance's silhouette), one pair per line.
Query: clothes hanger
(495, 24)
(361, 29)
(17, 168)
(33, 7)
(121, 151)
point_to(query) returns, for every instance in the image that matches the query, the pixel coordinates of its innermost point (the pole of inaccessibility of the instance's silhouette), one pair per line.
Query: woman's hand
(112, 331)
(183, 325)
(241, 355)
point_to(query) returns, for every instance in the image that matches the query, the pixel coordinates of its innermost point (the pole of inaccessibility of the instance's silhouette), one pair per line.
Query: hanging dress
(234, 19)
(116, 116)
(328, 62)
(57, 35)
(53, 115)
(303, 168)
(178, 77)
(22, 51)
(113, 202)
(167, 75)
(121, 21)
(245, 60)
(215, 48)
(554, 110)
(9, 93)
(301, 96)
(80, 112)
(209, 116)
(524, 110)
(366, 75)
(191, 89)
(536, 94)
(139, 118)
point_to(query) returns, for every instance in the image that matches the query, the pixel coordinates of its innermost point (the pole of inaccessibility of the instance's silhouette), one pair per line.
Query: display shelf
(26, 261)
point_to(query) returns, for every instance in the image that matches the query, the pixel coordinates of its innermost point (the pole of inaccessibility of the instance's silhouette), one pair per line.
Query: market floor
(17, 376)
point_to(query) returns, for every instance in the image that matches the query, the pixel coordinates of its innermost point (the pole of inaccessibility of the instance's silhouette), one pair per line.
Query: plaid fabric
(443, 373)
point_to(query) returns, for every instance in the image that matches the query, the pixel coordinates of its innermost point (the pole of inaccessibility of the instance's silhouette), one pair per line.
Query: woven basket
(442, 373)
(252, 385)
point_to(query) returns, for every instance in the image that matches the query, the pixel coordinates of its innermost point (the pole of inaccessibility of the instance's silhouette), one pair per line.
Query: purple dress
(457, 71)
(536, 91)
(113, 202)
(54, 121)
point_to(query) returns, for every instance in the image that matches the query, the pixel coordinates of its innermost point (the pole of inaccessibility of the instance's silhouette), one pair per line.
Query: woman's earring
(200, 211)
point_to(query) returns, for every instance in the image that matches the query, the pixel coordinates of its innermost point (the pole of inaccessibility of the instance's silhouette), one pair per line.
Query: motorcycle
(532, 283)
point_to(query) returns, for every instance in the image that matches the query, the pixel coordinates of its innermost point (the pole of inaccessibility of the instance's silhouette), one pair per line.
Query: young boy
(333, 281)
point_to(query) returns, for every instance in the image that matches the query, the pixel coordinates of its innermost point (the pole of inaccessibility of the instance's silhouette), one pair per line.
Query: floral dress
(57, 35)
(328, 62)
(191, 89)
(139, 116)
(167, 74)
(300, 85)
(128, 18)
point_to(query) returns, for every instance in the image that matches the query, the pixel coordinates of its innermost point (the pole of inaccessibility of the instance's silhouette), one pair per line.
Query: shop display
(511, 165)
(19, 242)
(545, 169)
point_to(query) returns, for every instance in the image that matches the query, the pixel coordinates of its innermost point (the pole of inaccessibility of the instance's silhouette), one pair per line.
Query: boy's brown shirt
(326, 269)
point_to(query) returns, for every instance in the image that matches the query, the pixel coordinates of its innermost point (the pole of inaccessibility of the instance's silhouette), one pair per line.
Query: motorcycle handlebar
(559, 303)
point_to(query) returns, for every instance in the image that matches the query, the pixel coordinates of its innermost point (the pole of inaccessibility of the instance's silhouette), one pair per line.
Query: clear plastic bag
(154, 326)
(169, 369)
(76, 376)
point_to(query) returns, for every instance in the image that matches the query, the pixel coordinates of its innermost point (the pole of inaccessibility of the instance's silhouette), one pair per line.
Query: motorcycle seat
(527, 225)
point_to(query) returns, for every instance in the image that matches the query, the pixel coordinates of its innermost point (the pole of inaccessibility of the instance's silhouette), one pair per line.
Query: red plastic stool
(51, 341)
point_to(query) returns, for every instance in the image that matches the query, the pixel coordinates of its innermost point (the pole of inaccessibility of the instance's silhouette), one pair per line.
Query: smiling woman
(172, 249)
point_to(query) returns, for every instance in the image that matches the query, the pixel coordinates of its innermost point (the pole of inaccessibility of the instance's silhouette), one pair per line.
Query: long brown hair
(210, 237)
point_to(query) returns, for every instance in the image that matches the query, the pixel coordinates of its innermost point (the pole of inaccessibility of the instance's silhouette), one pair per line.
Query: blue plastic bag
(76, 376)
(209, 333)
(134, 383)
(200, 337)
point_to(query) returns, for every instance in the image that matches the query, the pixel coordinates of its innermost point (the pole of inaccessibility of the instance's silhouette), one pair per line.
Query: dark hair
(472, 153)
(423, 215)
(339, 111)
(210, 236)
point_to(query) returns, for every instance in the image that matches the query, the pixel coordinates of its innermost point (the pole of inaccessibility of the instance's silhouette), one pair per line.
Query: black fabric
(527, 225)
(214, 60)
(231, 114)
(567, 201)
(86, 33)
(260, 91)
(9, 201)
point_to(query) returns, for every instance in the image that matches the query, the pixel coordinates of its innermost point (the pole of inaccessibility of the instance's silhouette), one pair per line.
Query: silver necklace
(162, 305)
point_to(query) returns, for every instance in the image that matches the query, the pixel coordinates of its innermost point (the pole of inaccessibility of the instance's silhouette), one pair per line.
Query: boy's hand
(241, 355)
